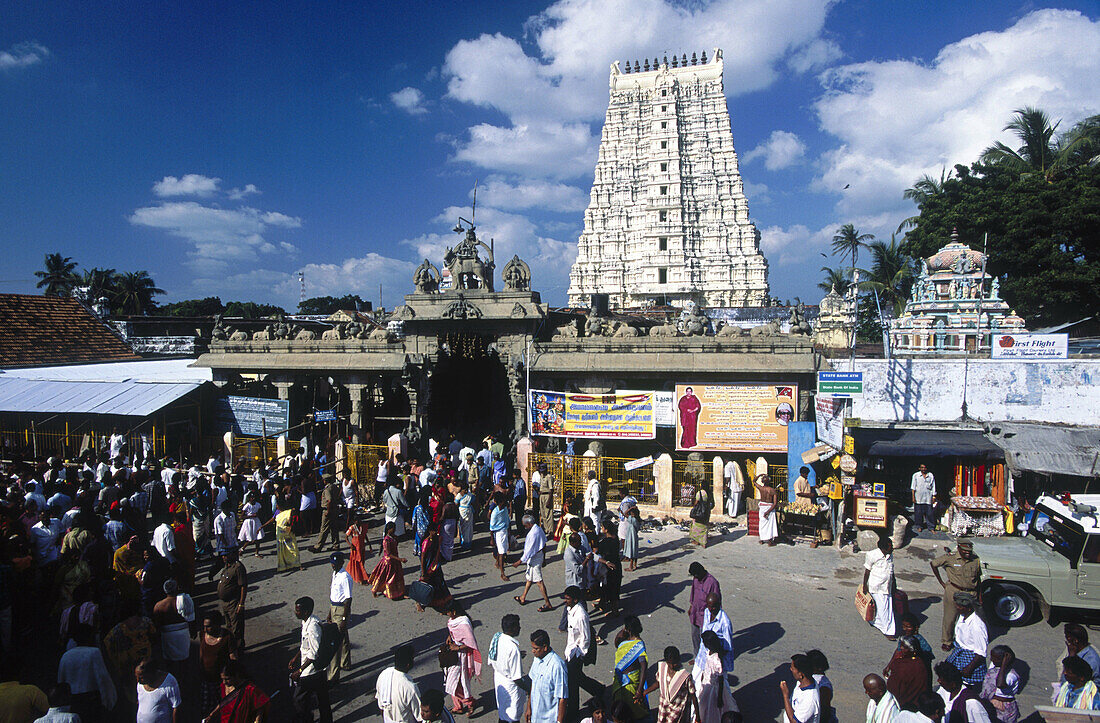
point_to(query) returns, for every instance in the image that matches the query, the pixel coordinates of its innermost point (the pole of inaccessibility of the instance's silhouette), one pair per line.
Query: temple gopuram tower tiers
(667, 220)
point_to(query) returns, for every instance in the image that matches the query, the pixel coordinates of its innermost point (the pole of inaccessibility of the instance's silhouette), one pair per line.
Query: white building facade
(667, 220)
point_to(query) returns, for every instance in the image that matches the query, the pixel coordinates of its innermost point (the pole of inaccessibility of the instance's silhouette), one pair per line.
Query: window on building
(664, 124)
(664, 108)
(662, 215)
(664, 93)
(664, 190)
(662, 242)
(662, 276)
(664, 144)
(664, 166)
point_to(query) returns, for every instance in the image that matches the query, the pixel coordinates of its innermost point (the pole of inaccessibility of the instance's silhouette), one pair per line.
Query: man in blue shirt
(549, 682)
(519, 500)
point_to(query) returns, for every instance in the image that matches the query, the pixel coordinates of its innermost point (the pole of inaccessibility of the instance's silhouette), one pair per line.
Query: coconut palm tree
(835, 279)
(134, 292)
(848, 241)
(59, 277)
(923, 190)
(1041, 151)
(891, 273)
(99, 284)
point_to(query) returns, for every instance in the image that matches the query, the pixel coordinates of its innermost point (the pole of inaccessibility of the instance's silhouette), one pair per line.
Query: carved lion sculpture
(239, 336)
(772, 328)
(731, 330)
(664, 330)
(305, 335)
(566, 331)
(265, 335)
(381, 334)
(331, 335)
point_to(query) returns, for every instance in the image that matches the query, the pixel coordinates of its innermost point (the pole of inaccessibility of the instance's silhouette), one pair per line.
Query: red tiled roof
(48, 330)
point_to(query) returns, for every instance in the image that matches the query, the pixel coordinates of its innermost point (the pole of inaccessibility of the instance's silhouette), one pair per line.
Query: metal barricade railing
(254, 450)
(361, 462)
(687, 478)
(777, 473)
(570, 476)
(70, 442)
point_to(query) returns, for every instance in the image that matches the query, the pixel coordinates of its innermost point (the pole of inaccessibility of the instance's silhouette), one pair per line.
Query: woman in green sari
(630, 669)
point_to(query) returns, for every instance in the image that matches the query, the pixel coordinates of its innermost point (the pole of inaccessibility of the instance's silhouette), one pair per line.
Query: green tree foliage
(133, 293)
(1044, 235)
(100, 284)
(251, 310)
(838, 279)
(1042, 152)
(59, 277)
(848, 241)
(331, 304)
(210, 306)
(890, 276)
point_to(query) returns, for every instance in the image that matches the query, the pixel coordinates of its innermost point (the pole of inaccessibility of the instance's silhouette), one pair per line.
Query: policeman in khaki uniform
(963, 570)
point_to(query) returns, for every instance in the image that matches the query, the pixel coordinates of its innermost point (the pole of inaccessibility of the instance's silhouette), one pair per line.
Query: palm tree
(99, 283)
(835, 279)
(925, 189)
(891, 273)
(59, 278)
(134, 292)
(848, 241)
(1040, 151)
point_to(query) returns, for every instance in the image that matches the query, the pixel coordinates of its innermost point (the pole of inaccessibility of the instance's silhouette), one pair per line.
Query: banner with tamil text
(734, 417)
(620, 415)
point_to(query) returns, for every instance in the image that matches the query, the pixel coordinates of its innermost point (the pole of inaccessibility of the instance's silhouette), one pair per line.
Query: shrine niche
(954, 307)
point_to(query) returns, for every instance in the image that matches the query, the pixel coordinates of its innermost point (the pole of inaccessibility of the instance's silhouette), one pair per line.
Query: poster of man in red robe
(689, 407)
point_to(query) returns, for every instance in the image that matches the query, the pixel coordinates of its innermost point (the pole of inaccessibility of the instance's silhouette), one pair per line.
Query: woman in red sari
(431, 571)
(356, 536)
(388, 578)
(241, 700)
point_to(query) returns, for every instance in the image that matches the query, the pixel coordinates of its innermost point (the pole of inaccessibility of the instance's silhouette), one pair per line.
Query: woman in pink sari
(461, 640)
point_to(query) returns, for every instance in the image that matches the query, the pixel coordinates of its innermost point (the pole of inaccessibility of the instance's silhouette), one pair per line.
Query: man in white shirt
(83, 669)
(339, 597)
(882, 706)
(397, 695)
(593, 499)
(427, 477)
(46, 534)
(878, 581)
(930, 709)
(971, 638)
(578, 645)
(961, 702)
(923, 488)
(34, 494)
(735, 484)
(115, 443)
(504, 656)
(534, 552)
(164, 540)
(308, 681)
(803, 703)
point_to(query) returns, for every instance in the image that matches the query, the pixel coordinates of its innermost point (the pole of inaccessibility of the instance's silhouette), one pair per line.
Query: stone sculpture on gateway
(667, 220)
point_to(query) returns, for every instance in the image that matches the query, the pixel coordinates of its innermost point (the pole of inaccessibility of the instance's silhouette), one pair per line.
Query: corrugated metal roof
(146, 370)
(128, 397)
(1049, 448)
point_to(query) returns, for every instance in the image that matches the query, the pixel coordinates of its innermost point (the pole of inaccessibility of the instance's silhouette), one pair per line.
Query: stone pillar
(227, 440)
(719, 488)
(339, 455)
(355, 392)
(280, 447)
(662, 479)
(284, 389)
(524, 448)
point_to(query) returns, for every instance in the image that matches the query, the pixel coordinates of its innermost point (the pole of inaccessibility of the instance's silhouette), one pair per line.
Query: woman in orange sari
(356, 535)
(388, 578)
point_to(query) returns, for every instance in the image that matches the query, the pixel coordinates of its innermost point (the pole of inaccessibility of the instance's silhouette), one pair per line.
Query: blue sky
(224, 147)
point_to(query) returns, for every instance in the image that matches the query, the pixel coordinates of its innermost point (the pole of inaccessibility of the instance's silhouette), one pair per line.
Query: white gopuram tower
(667, 219)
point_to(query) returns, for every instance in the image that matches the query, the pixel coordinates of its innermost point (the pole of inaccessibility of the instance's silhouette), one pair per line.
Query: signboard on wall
(830, 419)
(664, 406)
(840, 384)
(248, 415)
(734, 417)
(619, 415)
(1022, 347)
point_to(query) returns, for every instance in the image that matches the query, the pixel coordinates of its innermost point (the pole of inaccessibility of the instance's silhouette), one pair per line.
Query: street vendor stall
(975, 517)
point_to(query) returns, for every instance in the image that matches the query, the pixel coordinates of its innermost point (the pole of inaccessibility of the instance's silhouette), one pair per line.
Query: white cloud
(782, 149)
(538, 195)
(219, 237)
(551, 94)
(23, 55)
(237, 194)
(797, 243)
(814, 55)
(898, 119)
(410, 100)
(359, 276)
(191, 184)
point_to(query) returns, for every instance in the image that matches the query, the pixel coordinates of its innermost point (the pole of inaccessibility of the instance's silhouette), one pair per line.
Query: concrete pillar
(398, 445)
(524, 448)
(339, 454)
(719, 488)
(280, 447)
(662, 478)
(355, 392)
(227, 449)
(284, 389)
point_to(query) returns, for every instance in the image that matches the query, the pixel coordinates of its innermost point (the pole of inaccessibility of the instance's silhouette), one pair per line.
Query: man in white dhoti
(878, 580)
(768, 515)
(504, 656)
(397, 695)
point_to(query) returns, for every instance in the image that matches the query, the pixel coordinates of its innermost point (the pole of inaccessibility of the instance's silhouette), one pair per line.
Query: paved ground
(781, 600)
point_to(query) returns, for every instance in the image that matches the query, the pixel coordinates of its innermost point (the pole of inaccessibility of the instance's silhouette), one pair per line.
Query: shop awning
(128, 397)
(970, 443)
(1049, 448)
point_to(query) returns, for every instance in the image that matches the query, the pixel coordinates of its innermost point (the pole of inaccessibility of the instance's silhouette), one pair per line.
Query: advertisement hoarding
(734, 417)
(619, 415)
(248, 415)
(1024, 347)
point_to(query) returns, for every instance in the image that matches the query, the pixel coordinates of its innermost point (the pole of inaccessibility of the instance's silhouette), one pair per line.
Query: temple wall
(931, 390)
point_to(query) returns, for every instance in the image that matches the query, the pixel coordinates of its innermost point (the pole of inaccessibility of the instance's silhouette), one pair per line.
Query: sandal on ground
(545, 608)
(518, 599)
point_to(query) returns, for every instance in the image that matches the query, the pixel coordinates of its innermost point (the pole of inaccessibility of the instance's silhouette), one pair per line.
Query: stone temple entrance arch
(470, 395)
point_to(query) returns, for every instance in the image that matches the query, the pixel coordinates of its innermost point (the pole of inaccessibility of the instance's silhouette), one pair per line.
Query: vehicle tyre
(1011, 605)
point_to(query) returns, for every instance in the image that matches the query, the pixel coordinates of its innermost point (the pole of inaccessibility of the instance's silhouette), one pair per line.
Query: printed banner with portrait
(621, 415)
(734, 417)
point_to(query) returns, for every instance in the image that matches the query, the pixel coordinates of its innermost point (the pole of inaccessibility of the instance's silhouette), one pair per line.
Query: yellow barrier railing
(361, 464)
(569, 474)
(71, 443)
(256, 449)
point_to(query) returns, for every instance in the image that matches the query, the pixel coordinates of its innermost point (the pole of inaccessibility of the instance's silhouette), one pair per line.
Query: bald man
(882, 706)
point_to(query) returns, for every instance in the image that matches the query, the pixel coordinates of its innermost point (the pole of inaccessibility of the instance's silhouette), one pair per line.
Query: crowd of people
(101, 556)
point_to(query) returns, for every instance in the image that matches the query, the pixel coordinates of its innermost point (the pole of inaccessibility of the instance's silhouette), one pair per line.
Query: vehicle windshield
(1058, 534)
